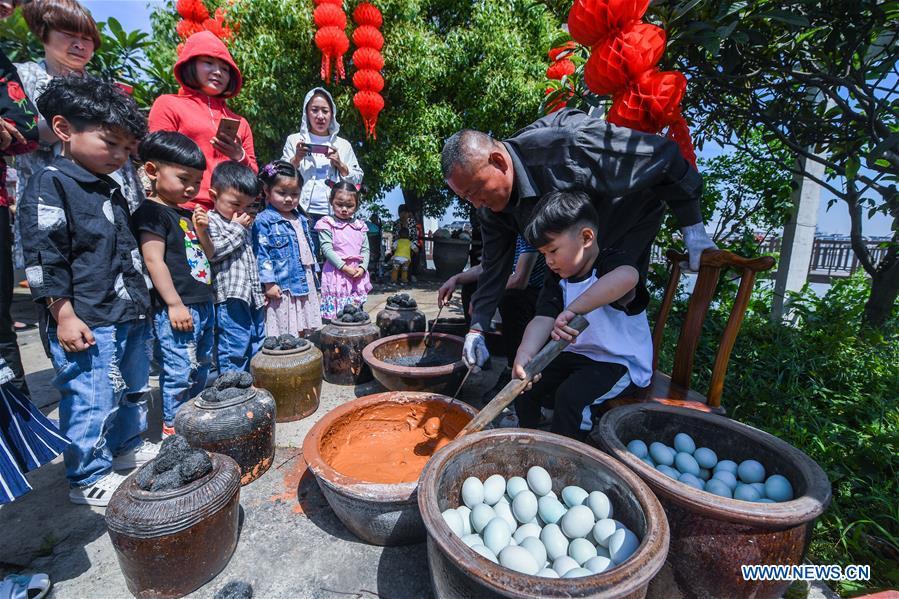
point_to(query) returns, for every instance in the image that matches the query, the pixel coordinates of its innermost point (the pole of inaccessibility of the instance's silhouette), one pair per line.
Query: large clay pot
(458, 572)
(450, 256)
(242, 428)
(712, 537)
(393, 320)
(342, 344)
(292, 376)
(171, 543)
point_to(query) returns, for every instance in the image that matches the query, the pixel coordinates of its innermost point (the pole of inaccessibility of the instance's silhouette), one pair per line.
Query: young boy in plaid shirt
(239, 302)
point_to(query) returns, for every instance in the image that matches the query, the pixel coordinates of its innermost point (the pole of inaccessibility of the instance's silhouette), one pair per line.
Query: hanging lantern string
(368, 61)
(623, 61)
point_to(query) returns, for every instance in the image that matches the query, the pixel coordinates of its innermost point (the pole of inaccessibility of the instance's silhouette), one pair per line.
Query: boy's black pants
(573, 386)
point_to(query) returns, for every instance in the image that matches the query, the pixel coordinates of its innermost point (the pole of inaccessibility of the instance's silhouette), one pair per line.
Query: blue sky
(135, 14)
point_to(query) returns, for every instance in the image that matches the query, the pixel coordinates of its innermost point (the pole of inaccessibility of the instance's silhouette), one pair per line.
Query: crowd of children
(200, 283)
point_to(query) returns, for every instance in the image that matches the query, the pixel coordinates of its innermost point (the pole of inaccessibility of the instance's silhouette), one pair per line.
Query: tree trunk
(884, 291)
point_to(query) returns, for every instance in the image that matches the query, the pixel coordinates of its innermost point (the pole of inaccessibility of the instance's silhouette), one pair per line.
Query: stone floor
(291, 545)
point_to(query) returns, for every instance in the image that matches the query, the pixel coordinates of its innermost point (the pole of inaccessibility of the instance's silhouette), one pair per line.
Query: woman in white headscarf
(320, 155)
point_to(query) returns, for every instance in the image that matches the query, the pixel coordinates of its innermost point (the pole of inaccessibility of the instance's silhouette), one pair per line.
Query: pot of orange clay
(367, 456)
(403, 363)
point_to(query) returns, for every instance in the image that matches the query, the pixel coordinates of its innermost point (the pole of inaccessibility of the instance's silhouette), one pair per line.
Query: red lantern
(368, 58)
(559, 69)
(333, 43)
(369, 104)
(368, 14)
(623, 57)
(186, 28)
(562, 51)
(591, 20)
(192, 10)
(368, 80)
(366, 36)
(651, 104)
(329, 15)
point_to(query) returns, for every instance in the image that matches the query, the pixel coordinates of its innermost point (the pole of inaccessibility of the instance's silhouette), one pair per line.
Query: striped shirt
(523, 247)
(234, 263)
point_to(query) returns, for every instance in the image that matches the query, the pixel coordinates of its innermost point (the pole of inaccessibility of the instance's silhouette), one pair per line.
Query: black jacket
(78, 245)
(630, 176)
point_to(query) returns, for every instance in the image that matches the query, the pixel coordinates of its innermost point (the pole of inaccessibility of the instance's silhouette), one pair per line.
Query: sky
(135, 14)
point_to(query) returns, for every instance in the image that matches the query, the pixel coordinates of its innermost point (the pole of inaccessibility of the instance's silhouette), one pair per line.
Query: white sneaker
(99, 493)
(138, 456)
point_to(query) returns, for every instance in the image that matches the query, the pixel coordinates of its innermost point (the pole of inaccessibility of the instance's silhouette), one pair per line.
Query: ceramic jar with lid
(342, 344)
(292, 376)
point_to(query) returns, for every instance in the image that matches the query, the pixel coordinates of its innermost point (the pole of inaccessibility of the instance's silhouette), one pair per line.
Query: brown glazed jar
(171, 543)
(394, 320)
(342, 344)
(242, 428)
(292, 376)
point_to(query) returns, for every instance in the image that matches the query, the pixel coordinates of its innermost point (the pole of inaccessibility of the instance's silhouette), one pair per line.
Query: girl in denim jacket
(283, 246)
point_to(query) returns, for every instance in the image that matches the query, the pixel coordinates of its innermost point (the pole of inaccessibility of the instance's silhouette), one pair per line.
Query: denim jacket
(278, 251)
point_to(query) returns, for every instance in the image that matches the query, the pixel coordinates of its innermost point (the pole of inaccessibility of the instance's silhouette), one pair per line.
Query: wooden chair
(675, 389)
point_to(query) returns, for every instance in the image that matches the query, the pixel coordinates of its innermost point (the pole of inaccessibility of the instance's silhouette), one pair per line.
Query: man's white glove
(474, 352)
(696, 240)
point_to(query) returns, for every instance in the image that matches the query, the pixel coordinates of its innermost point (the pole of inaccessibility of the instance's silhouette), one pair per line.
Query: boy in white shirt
(614, 354)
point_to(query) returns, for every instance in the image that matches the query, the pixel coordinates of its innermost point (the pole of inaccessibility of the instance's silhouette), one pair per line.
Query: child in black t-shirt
(175, 244)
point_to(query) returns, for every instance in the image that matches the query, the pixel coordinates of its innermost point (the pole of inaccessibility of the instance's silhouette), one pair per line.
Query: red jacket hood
(206, 43)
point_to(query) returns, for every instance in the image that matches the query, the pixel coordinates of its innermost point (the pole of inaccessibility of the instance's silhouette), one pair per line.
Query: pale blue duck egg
(577, 522)
(622, 545)
(472, 492)
(465, 514)
(685, 462)
(573, 495)
(454, 521)
(746, 493)
(578, 573)
(684, 442)
(535, 546)
(497, 535)
(580, 550)
(727, 478)
(494, 489)
(751, 471)
(778, 488)
(692, 480)
(524, 506)
(539, 481)
(716, 487)
(483, 550)
(661, 453)
(648, 460)
(564, 563)
(604, 529)
(548, 573)
(554, 541)
(598, 564)
(706, 458)
(550, 509)
(600, 504)
(728, 465)
(516, 485)
(668, 471)
(518, 559)
(704, 473)
(481, 514)
(638, 448)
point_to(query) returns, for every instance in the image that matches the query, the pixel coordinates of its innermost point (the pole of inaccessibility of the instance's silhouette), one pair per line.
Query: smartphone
(318, 148)
(227, 130)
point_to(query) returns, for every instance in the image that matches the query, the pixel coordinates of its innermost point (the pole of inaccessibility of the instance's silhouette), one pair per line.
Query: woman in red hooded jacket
(208, 76)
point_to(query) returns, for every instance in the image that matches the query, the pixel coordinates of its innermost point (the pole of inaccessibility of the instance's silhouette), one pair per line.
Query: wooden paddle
(514, 387)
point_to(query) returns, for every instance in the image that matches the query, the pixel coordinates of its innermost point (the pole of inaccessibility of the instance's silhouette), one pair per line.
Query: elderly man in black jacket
(630, 176)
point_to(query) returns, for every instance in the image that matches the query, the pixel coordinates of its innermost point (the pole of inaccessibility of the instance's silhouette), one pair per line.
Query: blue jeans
(240, 330)
(183, 357)
(102, 408)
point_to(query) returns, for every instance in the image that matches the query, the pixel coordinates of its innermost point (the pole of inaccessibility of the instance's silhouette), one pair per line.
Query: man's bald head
(467, 150)
(478, 169)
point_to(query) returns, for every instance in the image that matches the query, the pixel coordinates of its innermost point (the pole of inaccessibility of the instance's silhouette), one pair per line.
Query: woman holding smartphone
(209, 77)
(320, 155)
